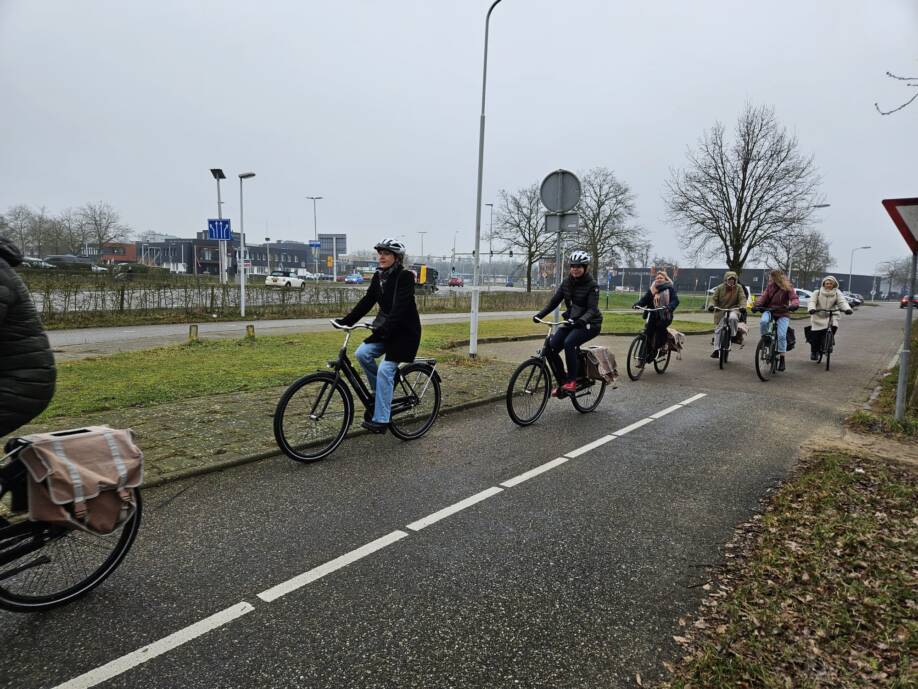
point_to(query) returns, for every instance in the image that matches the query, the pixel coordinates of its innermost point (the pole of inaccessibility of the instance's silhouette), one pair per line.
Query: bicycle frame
(541, 354)
(343, 366)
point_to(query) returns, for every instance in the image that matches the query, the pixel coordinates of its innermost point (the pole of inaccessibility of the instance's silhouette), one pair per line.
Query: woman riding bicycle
(829, 298)
(727, 295)
(396, 328)
(580, 295)
(778, 299)
(661, 295)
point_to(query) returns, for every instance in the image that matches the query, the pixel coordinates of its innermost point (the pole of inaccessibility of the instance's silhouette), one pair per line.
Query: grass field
(155, 376)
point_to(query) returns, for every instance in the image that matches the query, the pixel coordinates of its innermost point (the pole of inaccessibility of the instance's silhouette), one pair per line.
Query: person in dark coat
(396, 329)
(27, 372)
(661, 295)
(580, 295)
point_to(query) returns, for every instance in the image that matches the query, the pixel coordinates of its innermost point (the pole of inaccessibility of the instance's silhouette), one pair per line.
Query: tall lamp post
(241, 262)
(315, 227)
(268, 254)
(851, 265)
(473, 328)
(218, 175)
(422, 233)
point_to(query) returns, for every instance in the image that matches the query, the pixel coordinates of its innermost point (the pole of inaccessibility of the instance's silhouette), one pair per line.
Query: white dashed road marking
(142, 655)
(452, 509)
(312, 575)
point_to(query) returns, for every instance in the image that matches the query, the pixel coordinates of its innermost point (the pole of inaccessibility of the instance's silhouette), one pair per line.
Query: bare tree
(40, 232)
(102, 224)
(70, 233)
(606, 207)
(913, 82)
(812, 257)
(520, 225)
(735, 198)
(898, 272)
(19, 221)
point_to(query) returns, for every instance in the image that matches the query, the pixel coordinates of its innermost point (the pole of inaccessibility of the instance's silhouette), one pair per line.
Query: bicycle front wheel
(312, 417)
(763, 357)
(661, 363)
(43, 566)
(829, 344)
(635, 362)
(415, 402)
(724, 345)
(588, 399)
(527, 392)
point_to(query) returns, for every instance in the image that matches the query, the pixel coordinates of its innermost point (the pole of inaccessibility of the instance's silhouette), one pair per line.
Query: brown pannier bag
(599, 364)
(82, 478)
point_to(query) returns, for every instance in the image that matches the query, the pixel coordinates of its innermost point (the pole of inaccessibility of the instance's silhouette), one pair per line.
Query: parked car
(353, 279)
(286, 279)
(99, 269)
(34, 262)
(903, 302)
(456, 281)
(804, 295)
(853, 299)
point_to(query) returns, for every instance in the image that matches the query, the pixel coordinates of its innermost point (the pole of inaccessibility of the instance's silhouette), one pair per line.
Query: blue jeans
(783, 323)
(381, 378)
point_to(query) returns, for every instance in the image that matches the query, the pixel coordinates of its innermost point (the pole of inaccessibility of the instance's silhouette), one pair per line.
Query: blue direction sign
(219, 229)
(315, 244)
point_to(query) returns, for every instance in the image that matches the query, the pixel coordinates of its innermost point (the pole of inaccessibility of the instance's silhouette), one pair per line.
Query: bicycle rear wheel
(588, 399)
(43, 566)
(312, 417)
(415, 401)
(527, 392)
(763, 359)
(636, 357)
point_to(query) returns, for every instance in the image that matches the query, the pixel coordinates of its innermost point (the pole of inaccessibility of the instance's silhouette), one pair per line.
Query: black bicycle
(766, 351)
(530, 386)
(828, 341)
(639, 353)
(723, 344)
(46, 565)
(314, 414)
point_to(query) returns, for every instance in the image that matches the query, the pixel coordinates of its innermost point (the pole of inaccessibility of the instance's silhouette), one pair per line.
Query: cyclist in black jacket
(580, 295)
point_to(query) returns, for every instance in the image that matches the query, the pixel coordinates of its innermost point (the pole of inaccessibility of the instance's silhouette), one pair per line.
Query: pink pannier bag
(82, 478)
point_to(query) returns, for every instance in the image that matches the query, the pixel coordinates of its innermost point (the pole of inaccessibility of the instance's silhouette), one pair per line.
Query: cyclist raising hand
(580, 295)
(396, 328)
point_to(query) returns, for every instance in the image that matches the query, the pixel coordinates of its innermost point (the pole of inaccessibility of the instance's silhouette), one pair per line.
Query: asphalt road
(572, 578)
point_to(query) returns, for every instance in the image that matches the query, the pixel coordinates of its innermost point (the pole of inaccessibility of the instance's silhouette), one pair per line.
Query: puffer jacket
(581, 301)
(27, 372)
(829, 300)
(722, 299)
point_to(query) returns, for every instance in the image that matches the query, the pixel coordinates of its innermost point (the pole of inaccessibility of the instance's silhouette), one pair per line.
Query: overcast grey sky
(374, 105)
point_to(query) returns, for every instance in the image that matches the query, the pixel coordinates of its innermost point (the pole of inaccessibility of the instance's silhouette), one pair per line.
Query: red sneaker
(570, 386)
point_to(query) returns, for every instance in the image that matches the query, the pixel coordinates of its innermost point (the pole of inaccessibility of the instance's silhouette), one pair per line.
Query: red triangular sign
(904, 213)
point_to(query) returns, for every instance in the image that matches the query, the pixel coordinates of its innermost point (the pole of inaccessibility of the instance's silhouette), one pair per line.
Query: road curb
(519, 338)
(192, 472)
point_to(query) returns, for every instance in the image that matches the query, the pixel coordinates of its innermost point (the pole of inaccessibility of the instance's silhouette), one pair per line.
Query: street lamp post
(315, 228)
(851, 265)
(422, 233)
(241, 262)
(473, 328)
(218, 175)
(268, 250)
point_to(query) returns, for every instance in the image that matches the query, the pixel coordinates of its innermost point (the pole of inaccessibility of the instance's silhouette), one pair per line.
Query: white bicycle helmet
(579, 258)
(393, 245)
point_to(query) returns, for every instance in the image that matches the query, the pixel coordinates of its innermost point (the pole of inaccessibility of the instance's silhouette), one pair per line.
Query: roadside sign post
(904, 213)
(560, 193)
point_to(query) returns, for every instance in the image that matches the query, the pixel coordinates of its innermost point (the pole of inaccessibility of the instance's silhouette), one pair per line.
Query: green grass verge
(821, 592)
(156, 376)
(880, 418)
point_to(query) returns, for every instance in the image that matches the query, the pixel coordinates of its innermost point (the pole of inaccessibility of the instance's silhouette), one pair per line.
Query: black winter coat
(581, 301)
(401, 327)
(27, 372)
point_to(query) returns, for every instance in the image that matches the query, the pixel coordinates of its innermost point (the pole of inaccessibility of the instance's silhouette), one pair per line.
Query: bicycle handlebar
(338, 326)
(826, 310)
(553, 323)
(733, 308)
(644, 308)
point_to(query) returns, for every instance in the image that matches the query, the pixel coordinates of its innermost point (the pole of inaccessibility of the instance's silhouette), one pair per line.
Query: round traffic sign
(560, 191)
